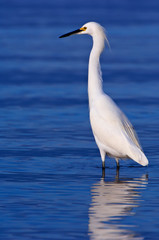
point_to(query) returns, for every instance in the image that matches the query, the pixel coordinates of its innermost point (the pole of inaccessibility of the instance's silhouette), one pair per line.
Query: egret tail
(138, 156)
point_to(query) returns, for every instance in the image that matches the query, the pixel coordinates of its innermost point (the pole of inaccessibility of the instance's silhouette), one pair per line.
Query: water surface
(52, 185)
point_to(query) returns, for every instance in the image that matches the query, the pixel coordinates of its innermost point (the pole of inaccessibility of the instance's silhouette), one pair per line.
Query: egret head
(91, 28)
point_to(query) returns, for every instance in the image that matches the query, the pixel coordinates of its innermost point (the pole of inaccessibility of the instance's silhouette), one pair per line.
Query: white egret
(113, 133)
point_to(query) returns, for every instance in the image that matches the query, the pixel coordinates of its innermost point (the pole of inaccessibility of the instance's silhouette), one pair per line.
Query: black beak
(71, 33)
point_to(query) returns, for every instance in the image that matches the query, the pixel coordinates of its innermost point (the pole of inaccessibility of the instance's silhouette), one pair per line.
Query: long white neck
(94, 71)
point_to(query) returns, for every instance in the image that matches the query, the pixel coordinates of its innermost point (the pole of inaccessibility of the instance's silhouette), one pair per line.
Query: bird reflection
(112, 201)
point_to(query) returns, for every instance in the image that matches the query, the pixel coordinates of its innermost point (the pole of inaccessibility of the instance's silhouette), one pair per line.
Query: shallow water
(52, 186)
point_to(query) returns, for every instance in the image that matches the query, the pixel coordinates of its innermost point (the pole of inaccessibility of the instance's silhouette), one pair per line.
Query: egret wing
(130, 131)
(107, 120)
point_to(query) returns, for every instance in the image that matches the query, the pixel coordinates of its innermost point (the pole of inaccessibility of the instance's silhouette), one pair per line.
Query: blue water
(50, 169)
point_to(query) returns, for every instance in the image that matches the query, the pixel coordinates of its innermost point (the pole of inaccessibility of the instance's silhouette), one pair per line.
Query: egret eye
(83, 28)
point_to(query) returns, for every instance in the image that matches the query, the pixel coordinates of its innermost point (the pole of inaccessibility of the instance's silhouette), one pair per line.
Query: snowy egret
(113, 133)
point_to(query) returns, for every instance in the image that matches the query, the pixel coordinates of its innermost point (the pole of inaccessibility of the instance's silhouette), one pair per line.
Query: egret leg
(103, 164)
(102, 153)
(117, 174)
(103, 173)
(117, 162)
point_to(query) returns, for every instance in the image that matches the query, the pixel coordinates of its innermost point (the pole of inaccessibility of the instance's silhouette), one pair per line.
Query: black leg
(103, 173)
(117, 163)
(117, 174)
(103, 164)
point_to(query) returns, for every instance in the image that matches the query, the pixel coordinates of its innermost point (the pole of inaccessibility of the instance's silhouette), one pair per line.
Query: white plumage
(112, 131)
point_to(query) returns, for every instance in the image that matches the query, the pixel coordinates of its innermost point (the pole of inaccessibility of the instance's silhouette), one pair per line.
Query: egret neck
(94, 70)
